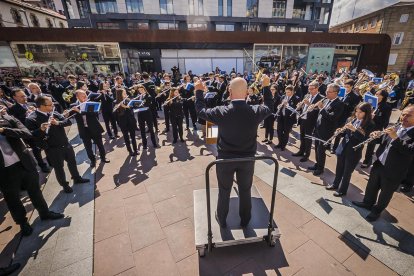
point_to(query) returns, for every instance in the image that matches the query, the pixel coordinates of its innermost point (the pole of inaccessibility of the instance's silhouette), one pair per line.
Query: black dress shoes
(317, 172)
(405, 189)
(45, 169)
(51, 216)
(372, 217)
(265, 140)
(303, 159)
(278, 146)
(298, 154)
(312, 168)
(9, 269)
(362, 205)
(339, 194)
(330, 187)
(80, 180)
(93, 164)
(105, 160)
(269, 142)
(26, 229)
(67, 189)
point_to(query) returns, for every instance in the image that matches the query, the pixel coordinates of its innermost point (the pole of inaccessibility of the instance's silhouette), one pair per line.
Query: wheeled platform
(209, 234)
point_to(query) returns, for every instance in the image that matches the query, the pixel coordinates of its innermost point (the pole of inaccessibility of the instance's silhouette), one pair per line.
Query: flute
(336, 134)
(312, 107)
(170, 100)
(372, 138)
(70, 109)
(49, 121)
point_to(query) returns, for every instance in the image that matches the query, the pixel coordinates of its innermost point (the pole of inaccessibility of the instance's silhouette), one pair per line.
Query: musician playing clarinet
(356, 131)
(394, 158)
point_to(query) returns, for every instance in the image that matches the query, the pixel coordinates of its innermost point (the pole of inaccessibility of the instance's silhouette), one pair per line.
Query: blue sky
(344, 10)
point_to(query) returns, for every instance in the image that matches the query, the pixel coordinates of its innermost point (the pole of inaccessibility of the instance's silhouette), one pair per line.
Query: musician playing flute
(354, 132)
(270, 121)
(187, 93)
(175, 106)
(107, 105)
(394, 157)
(145, 117)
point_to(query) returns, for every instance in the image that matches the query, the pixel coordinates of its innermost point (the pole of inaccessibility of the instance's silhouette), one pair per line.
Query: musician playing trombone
(354, 132)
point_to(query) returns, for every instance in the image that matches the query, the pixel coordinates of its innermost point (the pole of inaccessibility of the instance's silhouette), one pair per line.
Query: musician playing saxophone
(354, 132)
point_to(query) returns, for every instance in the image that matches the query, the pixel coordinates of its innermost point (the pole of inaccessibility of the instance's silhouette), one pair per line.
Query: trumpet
(373, 137)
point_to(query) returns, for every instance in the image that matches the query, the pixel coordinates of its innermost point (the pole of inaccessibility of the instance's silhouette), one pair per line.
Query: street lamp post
(25, 15)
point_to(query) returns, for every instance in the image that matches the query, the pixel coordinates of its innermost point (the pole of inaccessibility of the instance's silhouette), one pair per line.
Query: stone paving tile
(180, 238)
(169, 211)
(109, 223)
(130, 272)
(113, 255)
(81, 268)
(155, 260)
(367, 267)
(144, 231)
(137, 205)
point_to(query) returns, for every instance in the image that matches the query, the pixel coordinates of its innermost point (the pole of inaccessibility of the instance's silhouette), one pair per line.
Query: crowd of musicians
(35, 115)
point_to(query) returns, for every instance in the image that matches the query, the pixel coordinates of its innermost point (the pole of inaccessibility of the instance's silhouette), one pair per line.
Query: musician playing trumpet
(353, 133)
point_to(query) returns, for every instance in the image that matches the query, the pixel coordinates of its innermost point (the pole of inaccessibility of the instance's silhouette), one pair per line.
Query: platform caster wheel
(201, 252)
(271, 241)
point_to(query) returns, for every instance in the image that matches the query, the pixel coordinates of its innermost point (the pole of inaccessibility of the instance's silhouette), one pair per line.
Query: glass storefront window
(225, 27)
(280, 57)
(134, 6)
(106, 6)
(67, 58)
(279, 9)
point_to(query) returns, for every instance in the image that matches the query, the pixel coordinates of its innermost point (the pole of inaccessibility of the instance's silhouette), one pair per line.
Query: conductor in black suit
(330, 110)
(89, 129)
(237, 124)
(394, 158)
(17, 167)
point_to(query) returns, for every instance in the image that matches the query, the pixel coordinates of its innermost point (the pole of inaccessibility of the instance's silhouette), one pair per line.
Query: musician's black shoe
(45, 168)
(117, 136)
(67, 189)
(265, 140)
(303, 159)
(25, 229)
(51, 216)
(9, 269)
(194, 127)
(405, 189)
(157, 146)
(111, 137)
(317, 172)
(312, 168)
(278, 146)
(298, 154)
(332, 151)
(105, 160)
(93, 164)
(269, 142)
(80, 180)
(330, 187)
(339, 194)
(362, 204)
(222, 225)
(372, 217)
(262, 126)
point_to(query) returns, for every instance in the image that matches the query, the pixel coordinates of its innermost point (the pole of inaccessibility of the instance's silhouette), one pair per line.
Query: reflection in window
(252, 8)
(134, 6)
(298, 13)
(16, 16)
(35, 20)
(107, 25)
(220, 7)
(106, 6)
(167, 26)
(138, 25)
(251, 27)
(225, 27)
(70, 9)
(83, 8)
(197, 26)
(276, 28)
(279, 9)
(166, 7)
(229, 7)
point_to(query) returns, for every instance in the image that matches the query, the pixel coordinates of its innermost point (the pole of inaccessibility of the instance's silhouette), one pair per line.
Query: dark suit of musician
(107, 106)
(221, 88)
(150, 87)
(187, 92)
(348, 157)
(55, 143)
(176, 117)
(19, 111)
(145, 116)
(381, 119)
(394, 158)
(128, 125)
(17, 168)
(307, 125)
(237, 125)
(90, 130)
(326, 124)
(286, 119)
(270, 120)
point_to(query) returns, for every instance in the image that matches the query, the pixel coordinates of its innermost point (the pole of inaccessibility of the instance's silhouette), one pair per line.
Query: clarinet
(372, 138)
(50, 120)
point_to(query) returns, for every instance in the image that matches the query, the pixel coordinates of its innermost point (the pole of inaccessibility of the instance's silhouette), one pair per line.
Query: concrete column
(265, 8)
(121, 6)
(239, 8)
(308, 12)
(322, 16)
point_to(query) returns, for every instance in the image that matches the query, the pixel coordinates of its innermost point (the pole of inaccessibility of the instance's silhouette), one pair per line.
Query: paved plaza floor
(135, 217)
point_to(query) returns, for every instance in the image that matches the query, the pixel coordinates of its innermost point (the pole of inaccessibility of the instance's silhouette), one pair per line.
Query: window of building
(299, 13)
(252, 8)
(167, 26)
(220, 8)
(326, 1)
(365, 26)
(134, 6)
(83, 8)
(404, 18)
(49, 23)
(297, 29)
(279, 9)
(398, 37)
(166, 6)
(357, 27)
(16, 16)
(276, 28)
(195, 7)
(35, 20)
(70, 9)
(138, 25)
(225, 27)
(61, 25)
(106, 6)
(229, 7)
(374, 22)
(197, 26)
(251, 27)
(392, 59)
(107, 25)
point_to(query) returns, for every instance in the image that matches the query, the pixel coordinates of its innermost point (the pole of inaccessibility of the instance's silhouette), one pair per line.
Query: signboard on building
(320, 57)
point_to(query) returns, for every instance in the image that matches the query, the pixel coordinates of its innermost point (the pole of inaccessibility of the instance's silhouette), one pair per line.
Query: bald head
(238, 89)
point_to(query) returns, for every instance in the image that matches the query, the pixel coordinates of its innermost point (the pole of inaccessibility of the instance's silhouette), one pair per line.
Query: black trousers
(177, 127)
(167, 117)
(379, 183)
(130, 138)
(320, 155)
(305, 128)
(109, 119)
(284, 127)
(37, 153)
(345, 165)
(244, 175)
(269, 123)
(97, 140)
(370, 151)
(409, 179)
(13, 178)
(154, 115)
(57, 156)
(145, 117)
(189, 111)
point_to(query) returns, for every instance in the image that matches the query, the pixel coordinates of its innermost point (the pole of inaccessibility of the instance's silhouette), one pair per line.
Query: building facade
(213, 15)
(37, 14)
(398, 22)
